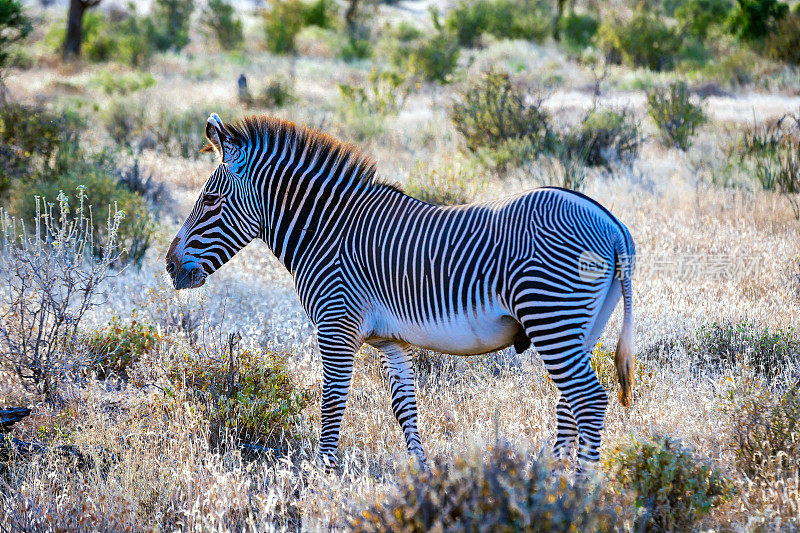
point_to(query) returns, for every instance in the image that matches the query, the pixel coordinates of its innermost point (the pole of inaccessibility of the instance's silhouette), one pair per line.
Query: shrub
(129, 41)
(118, 345)
(675, 115)
(285, 18)
(783, 43)
(765, 436)
(504, 19)
(51, 277)
(696, 17)
(355, 48)
(605, 136)
(123, 123)
(506, 492)
(123, 84)
(277, 92)
(385, 91)
(219, 18)
(755, 19)
(247, 395)
(95, 177)
(578, 31)
(35, 143)
(492, 111)
(170, 24)
(14, 26)
(644, 41)
(724, 344)
(671, 487)
(180, 133)
(458, 182)
(773, 152)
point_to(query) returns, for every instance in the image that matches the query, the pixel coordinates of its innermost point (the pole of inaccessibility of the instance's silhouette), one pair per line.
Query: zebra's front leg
(337, 346)
(398, 367)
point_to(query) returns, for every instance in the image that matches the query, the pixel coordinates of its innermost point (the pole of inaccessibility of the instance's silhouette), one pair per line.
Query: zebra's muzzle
(185, 278)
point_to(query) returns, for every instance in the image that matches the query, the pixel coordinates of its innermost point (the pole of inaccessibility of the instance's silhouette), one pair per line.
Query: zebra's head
(224, 218)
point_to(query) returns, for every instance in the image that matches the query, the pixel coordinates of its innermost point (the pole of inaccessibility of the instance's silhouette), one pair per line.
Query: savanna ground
(716, 292)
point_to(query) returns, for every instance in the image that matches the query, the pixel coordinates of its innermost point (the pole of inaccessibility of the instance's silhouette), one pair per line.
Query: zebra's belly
(486, 330)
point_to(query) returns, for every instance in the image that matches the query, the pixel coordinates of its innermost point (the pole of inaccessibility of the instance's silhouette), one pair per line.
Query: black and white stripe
(373, 265)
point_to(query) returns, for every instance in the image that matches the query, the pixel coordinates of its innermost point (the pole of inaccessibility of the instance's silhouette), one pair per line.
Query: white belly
(486, 330)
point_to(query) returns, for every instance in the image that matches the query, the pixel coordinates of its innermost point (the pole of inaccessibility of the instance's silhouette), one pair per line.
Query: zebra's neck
(309, 206)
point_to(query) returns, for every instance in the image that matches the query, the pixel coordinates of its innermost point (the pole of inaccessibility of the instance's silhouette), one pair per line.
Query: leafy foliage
(696, 17)
(219, 17)
(14, 26)
(247, 395)
(119, 344)
(765, 432)
(643, 41)
(578, 30)
(755, 19)
(671, 487)
(504, 492)
(385, 91)
(171, 24)
(783, 43)
(675, 115)
(277, 92)
(724, 344)
(456, 183)
(504, 19)
(605, 136)
(285, 18)
(492, 111)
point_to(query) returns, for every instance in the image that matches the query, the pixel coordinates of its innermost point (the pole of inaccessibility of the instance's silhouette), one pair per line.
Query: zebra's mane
(354, 163)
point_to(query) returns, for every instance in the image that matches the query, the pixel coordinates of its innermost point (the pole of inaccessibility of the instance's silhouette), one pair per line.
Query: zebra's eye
(210, 199)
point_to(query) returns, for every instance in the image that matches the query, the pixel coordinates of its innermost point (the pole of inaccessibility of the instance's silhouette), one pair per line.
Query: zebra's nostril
(171, 267)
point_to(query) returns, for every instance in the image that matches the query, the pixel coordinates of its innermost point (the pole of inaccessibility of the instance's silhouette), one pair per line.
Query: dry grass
(706, 254)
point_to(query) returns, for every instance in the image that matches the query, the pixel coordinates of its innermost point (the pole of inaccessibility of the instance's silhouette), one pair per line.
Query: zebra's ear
(219, 137)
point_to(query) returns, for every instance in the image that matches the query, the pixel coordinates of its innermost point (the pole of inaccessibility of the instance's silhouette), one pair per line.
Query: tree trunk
(557, 22)
(350, 17)
(72, 41)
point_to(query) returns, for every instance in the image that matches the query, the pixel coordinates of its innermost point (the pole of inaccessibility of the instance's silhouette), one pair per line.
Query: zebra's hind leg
(337, 346)
(398, 367)
(566, 430)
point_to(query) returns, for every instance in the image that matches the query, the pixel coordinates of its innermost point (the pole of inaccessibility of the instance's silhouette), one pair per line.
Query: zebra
(373, 265)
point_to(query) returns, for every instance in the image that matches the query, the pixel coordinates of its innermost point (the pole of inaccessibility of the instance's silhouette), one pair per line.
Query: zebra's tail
(625, 350)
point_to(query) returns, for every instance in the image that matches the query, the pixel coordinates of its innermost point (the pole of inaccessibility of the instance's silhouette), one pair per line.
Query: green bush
(220, 20)
(170, 24)
(123, 123)
(670, 486)
(604, 137)
(119, 344)
(355, 49)
(285, 18)
(783, 43)
(122, 83)
(643, 41)
(724, 344)
(755, 19)
(432, 56)
(765, 436)
(504, 19)
(35, 144)
(772, 152)
(277, 92)
(675, 115)
(456, 183)
(696, 17)
(578, 31)
(495, 114)
(385, 91)
(14, 27)
(128, 41)
(504, 492)
(181, 133)
(95, 175)
(248, 396)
